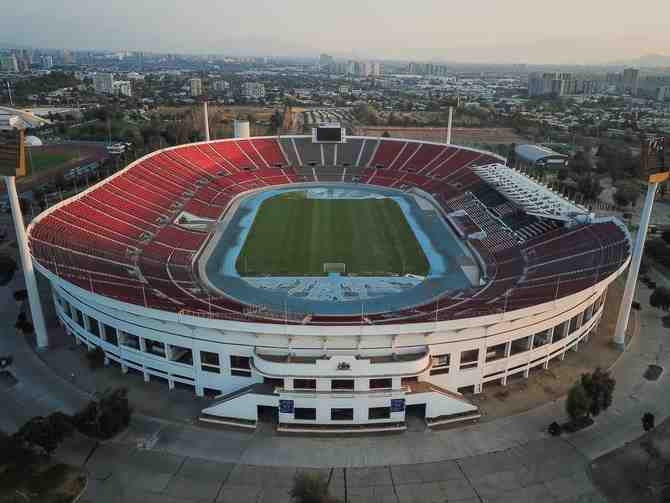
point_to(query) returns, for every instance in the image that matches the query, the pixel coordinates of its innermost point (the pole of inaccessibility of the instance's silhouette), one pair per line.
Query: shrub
(555, 429)
(578, 403)
(648, 421)
(310, 488)
(660, 298)
(105, 417)
(46, 433)
(599, 385)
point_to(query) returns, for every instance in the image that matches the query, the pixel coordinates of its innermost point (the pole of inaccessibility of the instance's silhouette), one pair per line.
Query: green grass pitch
(294, 236)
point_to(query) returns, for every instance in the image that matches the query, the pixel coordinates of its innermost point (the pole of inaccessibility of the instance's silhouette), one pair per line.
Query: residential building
(123, 88)
(220, 86)
(195, 86)
(631, 81)
(9, 63)
(103, 83)
(253, 90)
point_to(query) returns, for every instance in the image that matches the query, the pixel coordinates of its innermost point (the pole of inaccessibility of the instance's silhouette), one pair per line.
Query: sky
(467, 31)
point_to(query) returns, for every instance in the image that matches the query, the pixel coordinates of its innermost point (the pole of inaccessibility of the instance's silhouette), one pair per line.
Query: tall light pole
(206, 117)
(636, 260)
(14, 155)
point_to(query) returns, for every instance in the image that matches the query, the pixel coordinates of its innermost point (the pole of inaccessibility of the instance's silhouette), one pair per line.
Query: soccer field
(294, 236)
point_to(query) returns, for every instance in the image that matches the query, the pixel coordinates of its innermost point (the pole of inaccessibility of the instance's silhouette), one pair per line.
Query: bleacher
(122, 238)
(347, 153)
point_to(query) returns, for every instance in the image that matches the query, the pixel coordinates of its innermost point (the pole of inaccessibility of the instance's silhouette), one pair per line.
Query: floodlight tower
(634, 268)
(451, 116)
(10, 173)
(206, 117)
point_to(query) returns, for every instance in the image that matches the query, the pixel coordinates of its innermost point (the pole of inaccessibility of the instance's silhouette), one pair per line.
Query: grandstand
(123, 258)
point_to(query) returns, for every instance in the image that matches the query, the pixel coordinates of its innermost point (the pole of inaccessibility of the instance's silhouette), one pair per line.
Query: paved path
(509, 459)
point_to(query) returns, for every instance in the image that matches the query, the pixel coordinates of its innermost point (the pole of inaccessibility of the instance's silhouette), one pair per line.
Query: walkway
(509, 459)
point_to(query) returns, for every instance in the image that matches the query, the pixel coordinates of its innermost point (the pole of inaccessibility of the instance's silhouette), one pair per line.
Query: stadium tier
(124, 260)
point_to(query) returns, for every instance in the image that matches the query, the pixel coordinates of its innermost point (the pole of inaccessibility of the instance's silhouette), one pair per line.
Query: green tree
(660, 298)
(599, 385)
(105, 417)
(46, 433)
(578, 403)
(626, 193)
(589, 186)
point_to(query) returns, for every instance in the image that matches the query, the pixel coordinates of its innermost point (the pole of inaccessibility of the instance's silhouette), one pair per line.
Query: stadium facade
(127, 263)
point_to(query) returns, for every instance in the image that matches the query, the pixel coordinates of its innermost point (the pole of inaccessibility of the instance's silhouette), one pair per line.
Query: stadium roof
(533, 197)
(534, 153)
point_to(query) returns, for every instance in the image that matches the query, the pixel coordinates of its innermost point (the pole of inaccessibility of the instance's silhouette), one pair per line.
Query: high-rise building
(103, 83)
(123, 88)
(429, 69)
(220, 86)
(139, 60)
(551, 83)
(535, 85)
(663, 93)
(326, 62)
(9, 63)
(253, 90)
(195, 86)
(47, 61)
(631, 81)
(67, 57)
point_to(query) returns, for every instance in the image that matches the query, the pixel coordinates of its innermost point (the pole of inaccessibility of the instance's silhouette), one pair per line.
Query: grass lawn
(42, 161)
(293, 236)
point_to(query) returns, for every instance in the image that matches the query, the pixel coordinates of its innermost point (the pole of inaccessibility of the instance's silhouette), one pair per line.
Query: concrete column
(634, 269)
(27, 264)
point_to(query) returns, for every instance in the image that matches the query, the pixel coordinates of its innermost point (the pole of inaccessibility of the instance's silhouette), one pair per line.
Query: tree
(660, 298)
(105, 417)
(578, 402)
(386, 134)
(626, 193)
(648, 421)
(46, 433)
(310, 488)
(599, 386)
(589, 186)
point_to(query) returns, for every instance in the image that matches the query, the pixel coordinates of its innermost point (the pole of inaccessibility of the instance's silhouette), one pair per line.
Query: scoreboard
(13, 154)
(328, 133)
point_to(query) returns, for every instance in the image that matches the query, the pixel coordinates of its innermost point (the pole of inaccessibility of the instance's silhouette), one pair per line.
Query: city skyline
(482, 31)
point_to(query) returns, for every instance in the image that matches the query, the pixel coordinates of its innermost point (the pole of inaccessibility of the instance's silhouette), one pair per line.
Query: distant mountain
(648, 60)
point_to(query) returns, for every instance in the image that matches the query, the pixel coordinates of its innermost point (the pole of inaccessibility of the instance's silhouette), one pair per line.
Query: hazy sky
(517, 31)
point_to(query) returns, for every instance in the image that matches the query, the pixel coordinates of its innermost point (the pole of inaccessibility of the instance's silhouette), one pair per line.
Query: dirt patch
(546, 385)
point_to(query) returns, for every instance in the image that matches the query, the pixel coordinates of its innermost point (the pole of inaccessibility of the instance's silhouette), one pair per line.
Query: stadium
(333, 282)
